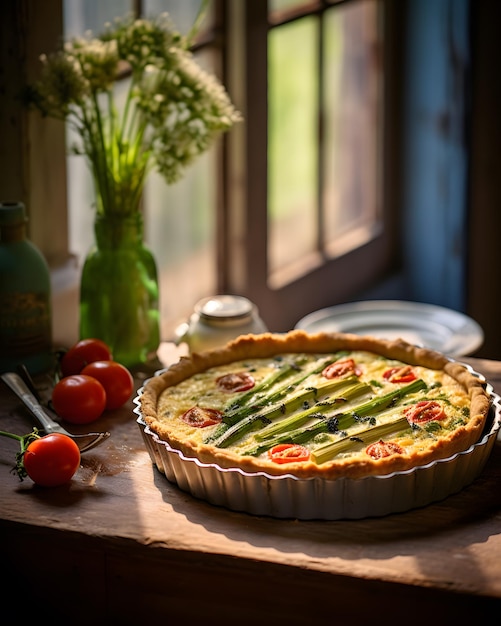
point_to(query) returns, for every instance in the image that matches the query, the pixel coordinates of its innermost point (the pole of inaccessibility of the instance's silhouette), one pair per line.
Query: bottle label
(25, 324)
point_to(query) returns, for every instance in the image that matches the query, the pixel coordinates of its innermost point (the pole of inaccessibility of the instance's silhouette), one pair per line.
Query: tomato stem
(24, 441)
(11, 435)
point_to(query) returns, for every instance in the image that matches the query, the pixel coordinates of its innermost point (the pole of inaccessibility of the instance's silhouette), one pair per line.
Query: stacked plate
(428, 325)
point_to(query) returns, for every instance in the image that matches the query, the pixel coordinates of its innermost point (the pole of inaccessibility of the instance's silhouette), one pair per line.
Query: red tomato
(238, 381)
(200, 418)
(116, 380)
(381, 449)
(51, 460)
(341, 368)
(288, 453)
(79, 399)
(403, 374)
(84, 352)
(424, 411)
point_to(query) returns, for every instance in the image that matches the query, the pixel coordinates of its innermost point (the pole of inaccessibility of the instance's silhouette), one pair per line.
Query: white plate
(426, 325)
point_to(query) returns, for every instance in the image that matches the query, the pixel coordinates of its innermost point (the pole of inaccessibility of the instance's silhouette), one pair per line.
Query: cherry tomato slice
(402, 374)
(341, 368)
(235, 382)
(424, 411)
(116, 380)
(288, 453)
(200, 417)
(51, 460)
(79, 399)
(84, 352)
(381, 449)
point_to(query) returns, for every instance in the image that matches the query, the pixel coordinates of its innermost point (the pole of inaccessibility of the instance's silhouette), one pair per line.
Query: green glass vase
(119, 296)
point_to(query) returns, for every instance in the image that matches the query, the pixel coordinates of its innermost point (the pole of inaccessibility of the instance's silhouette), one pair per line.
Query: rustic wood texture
(121, 544)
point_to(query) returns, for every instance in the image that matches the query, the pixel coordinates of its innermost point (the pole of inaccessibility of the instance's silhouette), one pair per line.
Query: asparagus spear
(252, 401)
(299, 378)
(384, 401)
(301, 418)
(248, 403)
(331, 449)
(227, 432)
(237, 409)
(240, 428)
(253, 394)
(339, 421)
(300, 435)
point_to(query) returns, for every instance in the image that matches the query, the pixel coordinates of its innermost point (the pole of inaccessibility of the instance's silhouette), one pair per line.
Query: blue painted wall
(435, 154)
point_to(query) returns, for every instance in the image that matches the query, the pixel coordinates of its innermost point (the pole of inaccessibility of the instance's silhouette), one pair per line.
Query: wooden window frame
(328, 281)
(33, 153)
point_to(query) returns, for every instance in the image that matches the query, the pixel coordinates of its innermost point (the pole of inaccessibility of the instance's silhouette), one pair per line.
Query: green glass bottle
(119, 295)
(25, 296)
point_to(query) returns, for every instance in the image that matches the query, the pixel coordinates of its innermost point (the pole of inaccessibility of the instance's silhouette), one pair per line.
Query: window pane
(180, 231)
(350, 198)
(292, 152)
(183, 14)
(80, 17)
(280, 5)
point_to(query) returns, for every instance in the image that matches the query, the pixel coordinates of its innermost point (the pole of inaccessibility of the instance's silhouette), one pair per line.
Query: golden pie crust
(453, 384)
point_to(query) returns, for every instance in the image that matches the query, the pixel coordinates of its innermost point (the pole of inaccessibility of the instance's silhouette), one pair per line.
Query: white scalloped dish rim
(289, 497)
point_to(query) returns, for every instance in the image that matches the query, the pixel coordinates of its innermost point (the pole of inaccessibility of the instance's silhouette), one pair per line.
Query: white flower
(173, 109)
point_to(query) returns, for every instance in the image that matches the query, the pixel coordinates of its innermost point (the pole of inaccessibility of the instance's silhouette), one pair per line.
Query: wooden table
(122, 545)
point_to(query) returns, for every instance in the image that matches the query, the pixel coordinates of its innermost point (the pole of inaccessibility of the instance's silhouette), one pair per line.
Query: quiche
(326, 405)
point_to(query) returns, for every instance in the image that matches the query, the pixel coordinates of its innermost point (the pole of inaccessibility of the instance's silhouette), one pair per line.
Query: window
(312, 226)
(322, 126)
(289, 208)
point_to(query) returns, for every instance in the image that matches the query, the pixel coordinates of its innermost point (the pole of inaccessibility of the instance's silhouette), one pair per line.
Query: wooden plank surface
(121, 520)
